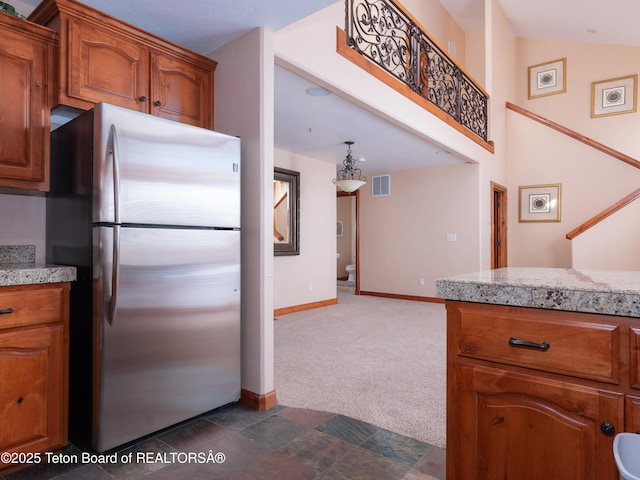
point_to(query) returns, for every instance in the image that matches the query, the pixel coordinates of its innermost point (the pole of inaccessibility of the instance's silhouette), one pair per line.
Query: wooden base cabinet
(536, 394)
(517, 426)
(27, 58)
(103, 59)
(34, 341)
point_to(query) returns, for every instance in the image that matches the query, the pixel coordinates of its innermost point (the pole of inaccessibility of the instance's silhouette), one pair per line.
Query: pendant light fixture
(349, 176)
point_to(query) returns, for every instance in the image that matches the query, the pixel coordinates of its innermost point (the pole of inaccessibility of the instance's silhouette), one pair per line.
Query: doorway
(498, 226)
(348, 237)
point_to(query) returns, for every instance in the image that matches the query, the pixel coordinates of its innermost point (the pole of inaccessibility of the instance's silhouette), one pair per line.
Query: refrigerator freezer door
(169, 332)
(153, 171)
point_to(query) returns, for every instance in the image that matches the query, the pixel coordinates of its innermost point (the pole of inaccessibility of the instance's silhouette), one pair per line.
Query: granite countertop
(593, 291)
(18, 267)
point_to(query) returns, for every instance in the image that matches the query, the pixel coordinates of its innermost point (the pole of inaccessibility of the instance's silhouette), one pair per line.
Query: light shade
(349, 178)
(349, 185)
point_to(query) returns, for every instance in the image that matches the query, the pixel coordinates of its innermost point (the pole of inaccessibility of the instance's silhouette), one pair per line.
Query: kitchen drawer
(30, 305)
(574, 344)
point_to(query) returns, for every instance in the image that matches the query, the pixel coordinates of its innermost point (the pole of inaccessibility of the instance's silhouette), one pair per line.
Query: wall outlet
(452, 237)
(421, 282)
(310, 286)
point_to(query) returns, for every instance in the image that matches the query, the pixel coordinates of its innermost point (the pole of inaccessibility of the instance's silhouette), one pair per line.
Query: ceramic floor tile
(433, 463)
(397, 447)
(362, 464)
(193, 471)
(348, 429)
(417, 475)
(316, 450)
(237, 417)
(275, 466)
(144, 459)
(308, 418)
(46, 470)
(202, 436)
(274, 431)
(282, 443)
(90, 472)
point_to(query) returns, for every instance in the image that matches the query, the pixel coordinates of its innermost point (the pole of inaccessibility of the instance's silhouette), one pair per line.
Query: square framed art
(539, 203)
(547, 78)
(614, 96)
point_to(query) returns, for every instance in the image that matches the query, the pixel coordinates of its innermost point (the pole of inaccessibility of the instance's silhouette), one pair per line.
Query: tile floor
(282, 443)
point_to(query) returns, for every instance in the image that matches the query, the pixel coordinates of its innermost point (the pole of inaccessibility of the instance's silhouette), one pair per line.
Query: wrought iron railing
(382, 32)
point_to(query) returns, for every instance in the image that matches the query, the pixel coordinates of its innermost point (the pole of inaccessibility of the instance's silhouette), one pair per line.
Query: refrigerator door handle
(115, 275)
(116, 174)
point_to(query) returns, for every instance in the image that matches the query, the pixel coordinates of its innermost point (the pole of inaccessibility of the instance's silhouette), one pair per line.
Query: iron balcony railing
(382, 32)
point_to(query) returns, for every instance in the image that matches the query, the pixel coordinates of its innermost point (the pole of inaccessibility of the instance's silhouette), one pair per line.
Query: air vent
(381, 185)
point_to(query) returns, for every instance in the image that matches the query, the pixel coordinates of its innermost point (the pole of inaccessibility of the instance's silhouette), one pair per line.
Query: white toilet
(351, 270)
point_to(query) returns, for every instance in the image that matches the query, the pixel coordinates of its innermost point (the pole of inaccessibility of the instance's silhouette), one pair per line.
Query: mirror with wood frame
(286, 212)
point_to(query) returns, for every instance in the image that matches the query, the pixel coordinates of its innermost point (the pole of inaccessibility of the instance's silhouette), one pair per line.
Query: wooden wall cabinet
(34, 343)
(103, 59)
(27, 60)
(546, 409)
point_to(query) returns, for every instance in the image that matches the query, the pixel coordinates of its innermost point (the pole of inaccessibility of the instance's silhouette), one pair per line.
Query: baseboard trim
(306, 306)
(258, 401)
(416, 298)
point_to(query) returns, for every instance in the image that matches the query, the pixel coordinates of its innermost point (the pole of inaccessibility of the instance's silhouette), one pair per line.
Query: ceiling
(317, 126)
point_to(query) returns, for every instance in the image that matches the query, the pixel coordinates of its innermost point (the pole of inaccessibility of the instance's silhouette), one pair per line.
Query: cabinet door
(181, 91)
(24, 135)
(518, 426)
(32, 410)
(632, 410)
(104, 66)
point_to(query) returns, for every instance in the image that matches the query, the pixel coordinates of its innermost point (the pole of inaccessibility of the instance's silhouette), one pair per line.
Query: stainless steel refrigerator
(148, 210)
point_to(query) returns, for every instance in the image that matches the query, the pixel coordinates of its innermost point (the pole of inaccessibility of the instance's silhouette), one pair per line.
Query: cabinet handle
(157, 103)
(143, 98)
(6, 310)
(608, 429)
(514, 342)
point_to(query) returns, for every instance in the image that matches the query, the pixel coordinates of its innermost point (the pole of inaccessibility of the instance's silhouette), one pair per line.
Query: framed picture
(540, 203)
(339, 228)
(613, 97)
(547, 78)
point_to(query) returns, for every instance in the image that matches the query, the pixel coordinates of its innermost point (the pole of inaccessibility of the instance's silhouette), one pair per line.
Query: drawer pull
(608, 429)
(514, 342)
(6, 310)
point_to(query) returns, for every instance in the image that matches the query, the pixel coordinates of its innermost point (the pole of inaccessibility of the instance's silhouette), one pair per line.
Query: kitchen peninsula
(543, 369)
(34, 340)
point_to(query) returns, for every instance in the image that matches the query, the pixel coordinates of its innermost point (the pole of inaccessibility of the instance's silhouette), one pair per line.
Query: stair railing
(598, 146)
(387, 35)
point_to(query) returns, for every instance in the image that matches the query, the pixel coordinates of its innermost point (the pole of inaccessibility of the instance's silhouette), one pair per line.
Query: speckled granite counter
(18, 267)
(591, 291)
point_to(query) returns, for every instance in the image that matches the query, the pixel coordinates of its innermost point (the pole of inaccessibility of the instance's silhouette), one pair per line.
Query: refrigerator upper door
(153, 171)
(168, 325)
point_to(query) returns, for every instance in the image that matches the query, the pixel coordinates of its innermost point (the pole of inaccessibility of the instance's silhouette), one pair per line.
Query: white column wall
(244, 106)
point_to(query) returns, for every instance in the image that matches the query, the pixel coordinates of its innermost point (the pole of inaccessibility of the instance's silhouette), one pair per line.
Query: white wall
(311, 276)
(618, 251)
(591, 181)
(244, 107)
(23, 222)
(403, 236)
